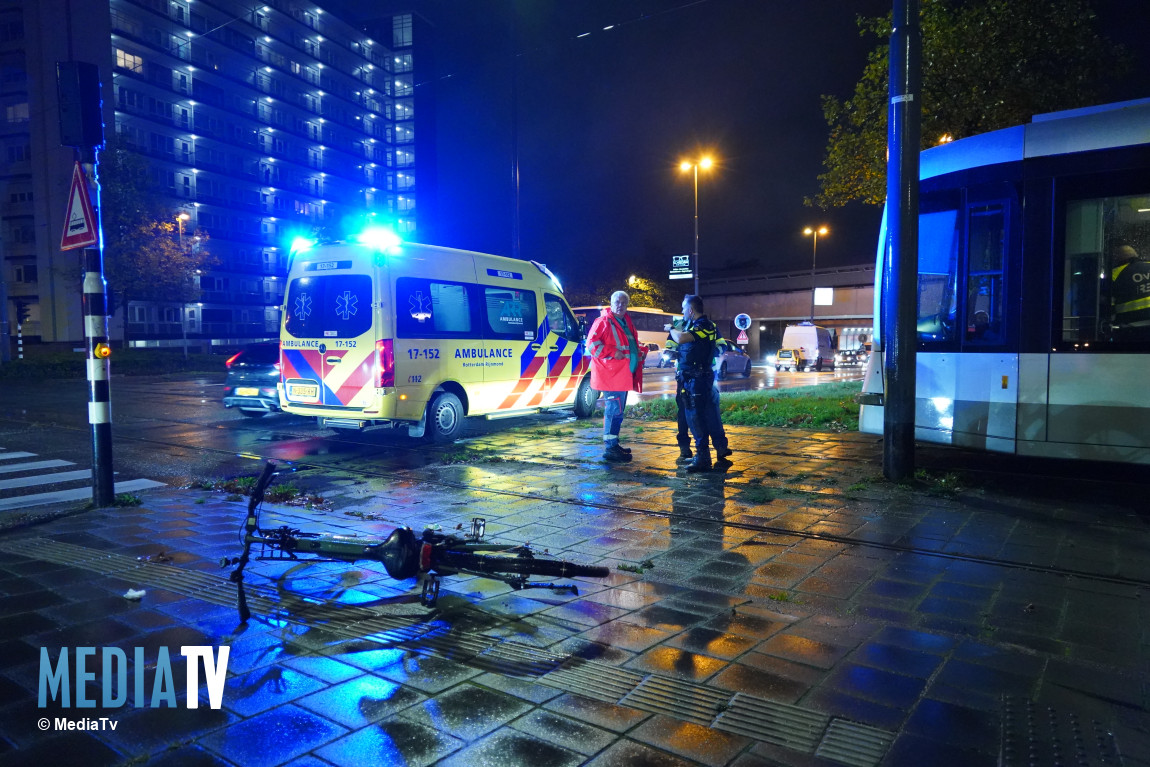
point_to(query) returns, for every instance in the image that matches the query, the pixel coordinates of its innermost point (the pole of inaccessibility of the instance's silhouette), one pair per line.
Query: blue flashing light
(379, 238)
(301, 245)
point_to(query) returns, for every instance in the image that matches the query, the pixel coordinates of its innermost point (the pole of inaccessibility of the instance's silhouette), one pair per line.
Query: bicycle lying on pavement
(404, 555)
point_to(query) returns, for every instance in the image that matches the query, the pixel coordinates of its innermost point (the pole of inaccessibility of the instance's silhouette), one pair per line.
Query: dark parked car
(733, 361)
(253, 373)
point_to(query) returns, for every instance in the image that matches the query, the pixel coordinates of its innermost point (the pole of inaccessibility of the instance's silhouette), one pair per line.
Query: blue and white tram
(1034, 290)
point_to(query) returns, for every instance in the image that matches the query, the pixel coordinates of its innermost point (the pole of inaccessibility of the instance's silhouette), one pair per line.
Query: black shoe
(685, 453)
(626, 450)
(697, 466)
(616, 454)
(721, 454)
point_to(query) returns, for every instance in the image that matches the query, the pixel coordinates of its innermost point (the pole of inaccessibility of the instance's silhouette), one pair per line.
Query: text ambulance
(422, 336)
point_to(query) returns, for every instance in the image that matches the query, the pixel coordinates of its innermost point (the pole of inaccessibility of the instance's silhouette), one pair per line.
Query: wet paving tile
(509, 746)
(273, 737)
(628, 753)
(673, 661)
(702, 745)
(891, 658)
(564, 732)
(956, 725)
(428, 673)
(884, 687)
(396, 741)
(608, 716)
(141, 731)
(717, 644)
(586, 612)
(625, 635)
(740, 677)
(519, 688)
(803, 650)
(467, 711)
(361, 701)
(265, 688)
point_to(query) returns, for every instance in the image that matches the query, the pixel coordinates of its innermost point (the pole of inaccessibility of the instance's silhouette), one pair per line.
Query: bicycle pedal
(430, 594)
(478, 527)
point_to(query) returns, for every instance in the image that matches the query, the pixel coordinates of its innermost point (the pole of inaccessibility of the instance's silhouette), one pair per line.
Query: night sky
(604, 120)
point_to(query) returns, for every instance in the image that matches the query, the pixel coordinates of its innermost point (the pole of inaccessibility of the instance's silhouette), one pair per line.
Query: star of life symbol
(346, 304)
(303, 306)
(420, 305)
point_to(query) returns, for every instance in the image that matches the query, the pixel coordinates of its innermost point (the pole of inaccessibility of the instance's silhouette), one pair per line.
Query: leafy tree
(642, 290)
(143, 254)
(986, 65)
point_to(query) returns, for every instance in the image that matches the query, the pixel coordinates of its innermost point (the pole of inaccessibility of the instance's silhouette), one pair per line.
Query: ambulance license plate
(303, 391)
(247, 391)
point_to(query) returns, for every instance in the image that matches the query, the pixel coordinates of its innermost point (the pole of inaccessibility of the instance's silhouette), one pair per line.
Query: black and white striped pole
(82, 127)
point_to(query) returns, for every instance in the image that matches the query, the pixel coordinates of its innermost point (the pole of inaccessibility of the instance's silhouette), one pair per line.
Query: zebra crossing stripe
(79, 494)
(8, 456)
(44, 479)
(33, 465)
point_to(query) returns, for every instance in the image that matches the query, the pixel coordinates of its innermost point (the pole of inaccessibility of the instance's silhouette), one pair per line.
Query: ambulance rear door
(329, 341)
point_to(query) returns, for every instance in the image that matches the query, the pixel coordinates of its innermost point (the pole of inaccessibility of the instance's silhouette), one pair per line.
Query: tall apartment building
(257, 121)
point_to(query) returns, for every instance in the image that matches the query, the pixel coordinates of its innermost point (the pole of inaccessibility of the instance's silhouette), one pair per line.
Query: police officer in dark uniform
(696, 356)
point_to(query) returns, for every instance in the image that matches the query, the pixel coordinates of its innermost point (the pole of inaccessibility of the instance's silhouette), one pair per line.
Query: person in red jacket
(616, 368)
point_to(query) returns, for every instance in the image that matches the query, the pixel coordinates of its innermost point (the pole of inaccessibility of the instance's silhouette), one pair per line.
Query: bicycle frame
(402, 554)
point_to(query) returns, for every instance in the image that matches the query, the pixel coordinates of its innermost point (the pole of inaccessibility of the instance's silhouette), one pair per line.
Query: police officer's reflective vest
(697, 356)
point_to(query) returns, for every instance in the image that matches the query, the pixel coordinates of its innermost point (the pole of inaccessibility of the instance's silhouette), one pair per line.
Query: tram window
(984, 283)
(1106, 270)
(937, 274)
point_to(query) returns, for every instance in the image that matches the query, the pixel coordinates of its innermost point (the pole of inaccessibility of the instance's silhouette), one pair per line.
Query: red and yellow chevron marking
(558, 386)
(523, 384)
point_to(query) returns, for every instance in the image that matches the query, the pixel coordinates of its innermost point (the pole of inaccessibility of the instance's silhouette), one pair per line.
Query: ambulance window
(338, 306)
(562, 322)
(429, 309)
(511, 313)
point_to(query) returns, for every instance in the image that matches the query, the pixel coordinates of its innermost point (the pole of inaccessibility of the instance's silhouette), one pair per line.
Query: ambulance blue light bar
(379, 238)
(301, 245)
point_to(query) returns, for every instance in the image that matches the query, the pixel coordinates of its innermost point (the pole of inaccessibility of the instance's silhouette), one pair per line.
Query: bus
(1033, 290)
(650, 324)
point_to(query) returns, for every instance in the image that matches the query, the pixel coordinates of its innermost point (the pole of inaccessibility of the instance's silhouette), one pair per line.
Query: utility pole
(899, 331)
(82, 127)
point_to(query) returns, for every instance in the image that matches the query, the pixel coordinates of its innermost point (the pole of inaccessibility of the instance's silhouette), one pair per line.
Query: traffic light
(22, 312)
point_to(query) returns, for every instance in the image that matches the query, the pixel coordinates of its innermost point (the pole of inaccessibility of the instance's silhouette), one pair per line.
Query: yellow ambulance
(379, 332)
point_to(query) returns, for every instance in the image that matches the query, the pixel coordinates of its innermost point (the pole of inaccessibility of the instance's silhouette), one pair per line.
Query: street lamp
(814, 254)
(705, 163)
(180, 219)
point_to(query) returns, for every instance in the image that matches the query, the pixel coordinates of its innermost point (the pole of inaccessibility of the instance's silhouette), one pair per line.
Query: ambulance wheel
(444, 418)
(585, 399)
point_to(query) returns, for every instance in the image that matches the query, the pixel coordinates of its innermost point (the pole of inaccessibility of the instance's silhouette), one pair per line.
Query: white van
(421, 336)
(814, 343)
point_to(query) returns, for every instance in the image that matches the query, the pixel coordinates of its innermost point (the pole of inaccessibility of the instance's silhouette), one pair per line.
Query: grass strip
(827, 407)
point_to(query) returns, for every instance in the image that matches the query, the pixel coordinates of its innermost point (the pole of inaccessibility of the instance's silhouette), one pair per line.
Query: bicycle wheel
(480, 563)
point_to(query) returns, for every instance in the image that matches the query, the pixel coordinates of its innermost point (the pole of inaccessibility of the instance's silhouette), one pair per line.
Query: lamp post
(180, 219)
(814, 255)
(705, 163)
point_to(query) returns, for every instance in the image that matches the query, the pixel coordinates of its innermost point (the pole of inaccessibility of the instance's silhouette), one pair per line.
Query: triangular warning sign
(80, 220)
(742, 339)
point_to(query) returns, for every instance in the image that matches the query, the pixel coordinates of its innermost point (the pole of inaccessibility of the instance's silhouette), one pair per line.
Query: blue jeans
(613, 404)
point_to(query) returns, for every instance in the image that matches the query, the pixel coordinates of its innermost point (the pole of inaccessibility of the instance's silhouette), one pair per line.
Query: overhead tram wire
(610, 27)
